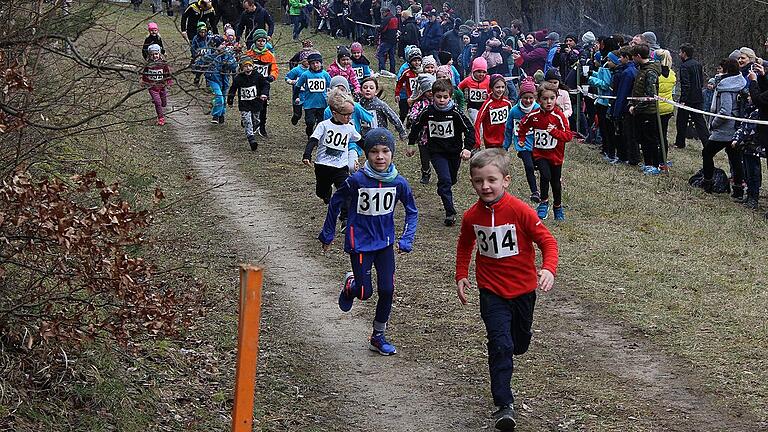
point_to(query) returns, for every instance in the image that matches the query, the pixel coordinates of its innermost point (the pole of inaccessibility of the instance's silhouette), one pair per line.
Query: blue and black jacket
(367, 233)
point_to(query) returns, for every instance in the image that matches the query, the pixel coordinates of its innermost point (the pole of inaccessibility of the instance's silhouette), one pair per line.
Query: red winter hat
(541, 35)
(527, 85)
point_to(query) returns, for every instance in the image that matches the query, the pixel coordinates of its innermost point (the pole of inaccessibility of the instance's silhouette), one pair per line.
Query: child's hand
(307, 162)
(550, 127)
(410, 151)
(461, 286)
(296, 102)
(326, 247)
(546, 280)
(263, 97)
(466, 154)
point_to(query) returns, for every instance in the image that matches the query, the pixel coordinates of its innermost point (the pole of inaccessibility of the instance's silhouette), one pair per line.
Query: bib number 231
(543, 140)
(376, 201)
(497, 242)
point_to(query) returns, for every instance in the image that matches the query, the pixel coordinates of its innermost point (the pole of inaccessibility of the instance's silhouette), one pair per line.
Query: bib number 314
(376, 201)
(497, 242)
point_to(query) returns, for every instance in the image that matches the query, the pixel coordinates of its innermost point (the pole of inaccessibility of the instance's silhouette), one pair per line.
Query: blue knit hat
(379, 136)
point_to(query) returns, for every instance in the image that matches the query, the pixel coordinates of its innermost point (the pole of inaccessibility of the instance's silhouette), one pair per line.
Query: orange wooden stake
(247, 347)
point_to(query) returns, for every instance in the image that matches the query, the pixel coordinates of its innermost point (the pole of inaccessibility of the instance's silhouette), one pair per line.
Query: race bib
(543, 140)
(497, 242)
(358, 73)
(499, 115)
(316, 85)
(412, 83)
(248, 93)
(376, 201)
(204, 51)
(478, 95)
(441, 129)
(262, 69)
(154, 74)
(336, 140)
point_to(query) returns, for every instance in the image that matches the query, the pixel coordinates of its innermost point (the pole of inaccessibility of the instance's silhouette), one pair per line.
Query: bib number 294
(497, 242)
(375, 201)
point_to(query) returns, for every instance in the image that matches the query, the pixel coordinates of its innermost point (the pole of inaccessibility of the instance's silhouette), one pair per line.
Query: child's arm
(264, 87)
(312, 142)
(411, 219)
(464, 247)
(567, 107)
(399, 85)
(469, 135)
(328, 232)
(232, 90)
(547, 245)
(479, 123)
(416, 128)
(395, 120)
(509, 132)
(522, 130)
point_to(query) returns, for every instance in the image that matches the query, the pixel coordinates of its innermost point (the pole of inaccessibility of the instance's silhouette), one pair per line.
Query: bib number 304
(497, 242)
(376, 201)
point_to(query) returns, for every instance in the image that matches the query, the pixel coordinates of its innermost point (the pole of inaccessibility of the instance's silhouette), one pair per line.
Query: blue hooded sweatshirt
(516, 114)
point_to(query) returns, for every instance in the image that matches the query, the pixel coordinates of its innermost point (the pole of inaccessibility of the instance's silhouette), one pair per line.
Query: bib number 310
(376, 201)
(497, 242)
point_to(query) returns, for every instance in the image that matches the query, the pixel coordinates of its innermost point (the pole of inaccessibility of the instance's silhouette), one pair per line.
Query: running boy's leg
(545, 175)
(247, 123)
(522, 321)
(218, 99)
(442, 166)
(530, 174)
(556, 172)
(263, 118)
(424, 158)
(498, 318)
(323, 182)
(384, 262)
(362, 287)
(338, 177)
(157, 101)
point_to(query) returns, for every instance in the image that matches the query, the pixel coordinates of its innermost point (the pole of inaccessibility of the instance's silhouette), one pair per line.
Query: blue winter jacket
(510, 130)
(602, 79)
(219, 67)
(293, 75)
(430, 39)
(313, 99)
(366, 232)
(199, 45)
(624, 80)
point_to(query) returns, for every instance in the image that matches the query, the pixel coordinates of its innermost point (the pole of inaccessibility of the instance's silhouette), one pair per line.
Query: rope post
(251, 278)
(662, 138)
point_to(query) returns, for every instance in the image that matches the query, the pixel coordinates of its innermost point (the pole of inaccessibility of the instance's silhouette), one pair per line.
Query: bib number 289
(497, 242)
(375, 201)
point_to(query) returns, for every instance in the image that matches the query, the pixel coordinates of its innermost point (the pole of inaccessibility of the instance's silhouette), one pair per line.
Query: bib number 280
(376, 201)
(497, 242)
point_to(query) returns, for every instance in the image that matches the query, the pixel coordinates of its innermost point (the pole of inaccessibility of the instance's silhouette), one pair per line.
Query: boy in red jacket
(505, 230)
(550, 133)
(492, 117)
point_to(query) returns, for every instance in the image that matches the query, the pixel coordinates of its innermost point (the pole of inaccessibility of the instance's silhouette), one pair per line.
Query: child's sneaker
(161, 121)
(751, 204)
(450, 220)
(504, 418)
(651, 170)
(543, 210)
(252, 142)
(535, 197)
(215, 120)
(294, 119)
(345, 296)
(425, 178)
(379, 343)
(263, 132)
(221, 119)
(559, 213)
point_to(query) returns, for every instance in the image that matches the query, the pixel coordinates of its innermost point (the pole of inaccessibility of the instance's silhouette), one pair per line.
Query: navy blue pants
(312, 116)
(530, 170)
(508, 328)
(754, 175)
(384, 261)
(447, 169)
(386, 49)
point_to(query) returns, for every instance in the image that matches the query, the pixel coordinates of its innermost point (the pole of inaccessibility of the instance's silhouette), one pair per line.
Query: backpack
(720, 182)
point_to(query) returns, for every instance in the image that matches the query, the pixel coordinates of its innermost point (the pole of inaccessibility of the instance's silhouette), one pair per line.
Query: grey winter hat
(339, 80)
(154, 48)
(423, 84)
(588, 38)
(734, 54)
(652, 41)
(554, 36)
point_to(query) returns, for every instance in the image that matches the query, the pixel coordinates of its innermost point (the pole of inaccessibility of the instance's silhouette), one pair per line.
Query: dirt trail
(399, 393)
(382, 393)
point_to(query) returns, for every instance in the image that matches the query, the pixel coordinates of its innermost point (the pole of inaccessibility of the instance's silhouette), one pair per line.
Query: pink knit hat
(479, 64)
(527, 85)
(356, 47)
(445, 69)
(152, 26)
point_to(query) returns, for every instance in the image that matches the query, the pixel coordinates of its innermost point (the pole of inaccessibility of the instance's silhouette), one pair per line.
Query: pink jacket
(348, 73)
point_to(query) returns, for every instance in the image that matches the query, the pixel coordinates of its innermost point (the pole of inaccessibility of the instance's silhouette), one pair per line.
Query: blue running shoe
(543, 210)
(379, 344)
(559, 213)
(345, 295)
(652, 170)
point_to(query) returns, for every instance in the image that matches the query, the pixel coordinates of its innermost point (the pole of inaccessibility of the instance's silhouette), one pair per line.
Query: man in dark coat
(691, 79)
(433, 32)
(451, 41)
(253, 17)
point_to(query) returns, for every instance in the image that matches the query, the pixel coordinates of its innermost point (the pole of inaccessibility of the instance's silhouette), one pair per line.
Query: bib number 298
(375, 201)
(497, 242)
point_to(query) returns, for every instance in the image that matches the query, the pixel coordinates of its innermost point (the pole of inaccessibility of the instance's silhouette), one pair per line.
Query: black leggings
(711, 148)
(550, 175)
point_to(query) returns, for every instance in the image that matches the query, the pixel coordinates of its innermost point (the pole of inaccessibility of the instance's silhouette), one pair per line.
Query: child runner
(384, 114)
(406, 81)
(291, 78)
(476, 86)
(444, 72)
(360, 64)
(157, 76)
(199, 49)
(313, 88)
(252, 91)
(525, 105)
(429, 65)
(423, 100)
(746, 141)
(153, 38)
(219, 64)
(563, 97)
(360, 115)
(493, 115)
(504, 229)
(550, 133)
(265, 64)
(445, 126)
(334, 158)
(371, 194)
(343, 67)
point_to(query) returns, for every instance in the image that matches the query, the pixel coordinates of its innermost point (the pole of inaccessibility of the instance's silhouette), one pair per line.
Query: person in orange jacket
(264, 63)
